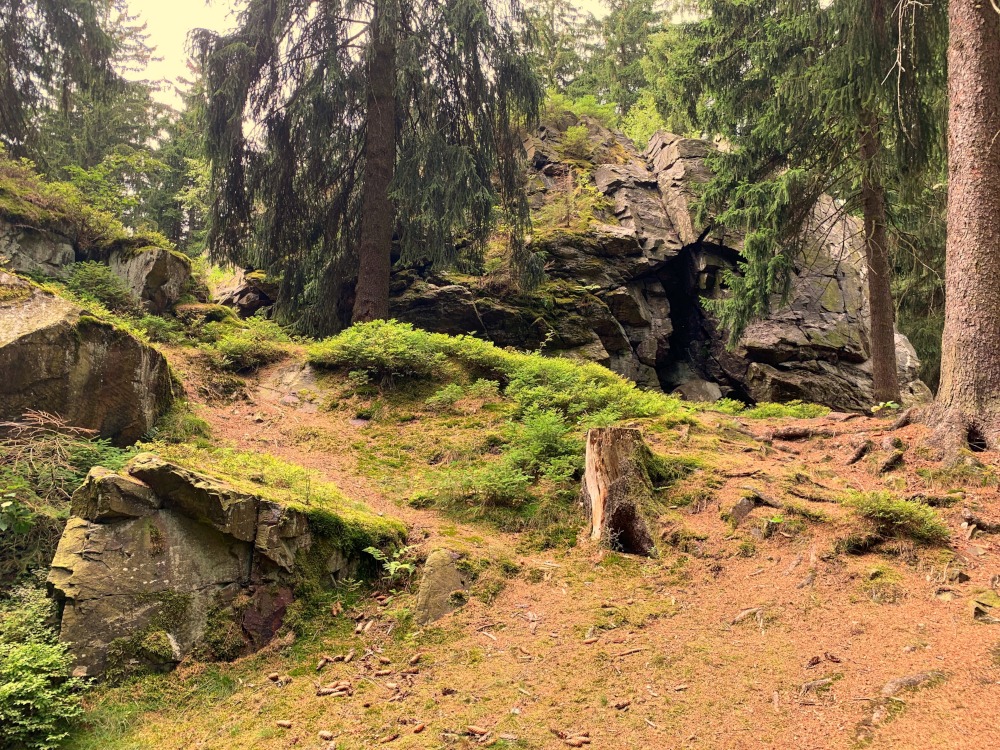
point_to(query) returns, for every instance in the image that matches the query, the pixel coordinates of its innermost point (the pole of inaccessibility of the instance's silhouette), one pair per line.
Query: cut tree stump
(617, 490)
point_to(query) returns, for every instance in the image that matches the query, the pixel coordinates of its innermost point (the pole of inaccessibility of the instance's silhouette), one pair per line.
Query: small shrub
(484, 390)
(98, 282)
(887, 517)
(576, 143)
(246, 348)
(398, 568)
(179, 425)
(383, 349)
(39, 700)
(160, 330)
(447, 397)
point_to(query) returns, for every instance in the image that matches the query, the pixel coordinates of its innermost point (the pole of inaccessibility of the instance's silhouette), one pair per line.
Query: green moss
(223, 638)
(14, 292)
(884, 516)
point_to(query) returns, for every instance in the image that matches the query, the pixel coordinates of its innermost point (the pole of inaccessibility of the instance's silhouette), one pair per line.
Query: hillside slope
(784, 630)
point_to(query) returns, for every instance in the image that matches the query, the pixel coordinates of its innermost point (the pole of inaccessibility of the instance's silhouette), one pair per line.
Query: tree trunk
(617, 491)
(885, 376)
(371, 301)
(968, 399)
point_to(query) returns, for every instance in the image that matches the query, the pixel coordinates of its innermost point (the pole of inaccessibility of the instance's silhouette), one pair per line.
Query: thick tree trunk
(883, 315)
(371, 301)
(968, 400)
(617, 491)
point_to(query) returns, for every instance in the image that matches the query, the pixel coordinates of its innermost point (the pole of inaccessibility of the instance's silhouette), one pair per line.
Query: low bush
(39, 699)
(245, 347)
(383, 349)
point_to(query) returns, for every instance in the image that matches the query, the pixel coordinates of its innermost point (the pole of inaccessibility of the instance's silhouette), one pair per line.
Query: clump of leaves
(39, 699)
(398, 568)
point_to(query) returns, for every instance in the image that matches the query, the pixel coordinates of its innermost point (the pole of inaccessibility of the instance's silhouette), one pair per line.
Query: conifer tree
(968, 400)
(50, 49)
(337, 130)
(823, 97)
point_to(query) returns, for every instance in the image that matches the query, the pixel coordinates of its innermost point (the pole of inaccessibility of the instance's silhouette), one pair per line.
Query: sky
(169, 22)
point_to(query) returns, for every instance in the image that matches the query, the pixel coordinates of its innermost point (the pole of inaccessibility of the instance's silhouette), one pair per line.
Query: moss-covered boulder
(57, 359)
(159, 561)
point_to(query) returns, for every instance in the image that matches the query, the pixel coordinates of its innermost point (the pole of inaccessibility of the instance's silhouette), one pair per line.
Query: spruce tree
(968, 400)
(49, 50)
(823, 97)
(338, 130)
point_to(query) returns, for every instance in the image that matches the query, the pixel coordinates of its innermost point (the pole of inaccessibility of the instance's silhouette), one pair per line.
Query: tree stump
(617, 490)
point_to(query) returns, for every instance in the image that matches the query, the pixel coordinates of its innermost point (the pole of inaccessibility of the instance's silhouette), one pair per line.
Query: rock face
(247, 292)
(34, 251)
(156, 276)
(442, 588)
(159, 561)
(630, 291)
(55, 358)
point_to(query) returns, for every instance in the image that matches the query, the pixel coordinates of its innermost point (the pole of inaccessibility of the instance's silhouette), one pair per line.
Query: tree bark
(617, 491)
(968, 399)
(885, 376)
(371, 300)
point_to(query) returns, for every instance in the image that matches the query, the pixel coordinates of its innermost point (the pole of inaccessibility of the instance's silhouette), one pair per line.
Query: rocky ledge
(158, 562)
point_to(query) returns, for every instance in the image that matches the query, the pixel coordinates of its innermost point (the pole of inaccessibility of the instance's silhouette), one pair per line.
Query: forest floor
(760, 635)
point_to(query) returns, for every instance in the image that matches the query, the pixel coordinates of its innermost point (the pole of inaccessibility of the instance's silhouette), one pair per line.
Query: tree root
(955, 431)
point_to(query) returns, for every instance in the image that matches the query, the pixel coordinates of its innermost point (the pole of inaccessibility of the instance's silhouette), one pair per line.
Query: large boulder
(247, 292)
(35, 251)
(57, 359)
(159, 561)
(156, 276)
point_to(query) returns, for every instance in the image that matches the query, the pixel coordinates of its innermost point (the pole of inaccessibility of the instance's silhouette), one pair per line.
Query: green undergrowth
(766, 410)
(882, 517)
(520, 469)
(39, 699)
(40, 467)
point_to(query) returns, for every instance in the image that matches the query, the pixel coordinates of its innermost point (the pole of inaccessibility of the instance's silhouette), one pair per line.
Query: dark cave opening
(694, 276)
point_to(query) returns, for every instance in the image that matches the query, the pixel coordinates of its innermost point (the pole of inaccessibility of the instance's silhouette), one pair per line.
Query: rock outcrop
(247, 292)
(57, 359)
(630, 290)
(443, 587)
(156, 276)
(158, 561)
(34, 251)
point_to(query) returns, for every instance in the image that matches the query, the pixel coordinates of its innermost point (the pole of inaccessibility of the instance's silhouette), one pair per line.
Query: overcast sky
(169, 22)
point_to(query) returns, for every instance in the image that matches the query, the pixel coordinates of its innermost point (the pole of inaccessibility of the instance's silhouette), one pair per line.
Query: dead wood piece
(893, 461)
(860, 452)
(910, 682)
(746, 614)
(617, 490)
(814, 685)
(800, 433)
